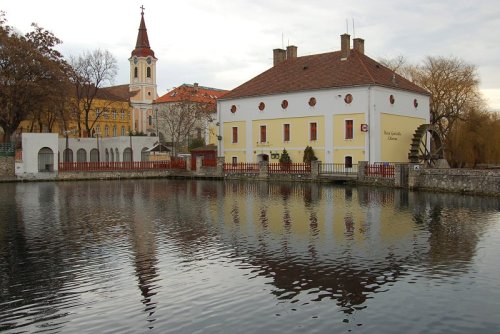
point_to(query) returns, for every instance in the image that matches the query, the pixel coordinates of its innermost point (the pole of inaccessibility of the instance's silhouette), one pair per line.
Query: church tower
(142, 82)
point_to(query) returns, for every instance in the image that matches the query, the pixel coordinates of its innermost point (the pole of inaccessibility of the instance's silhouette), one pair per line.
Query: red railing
(292, 168)
(241, 167)
(385, 170)
(115, 166)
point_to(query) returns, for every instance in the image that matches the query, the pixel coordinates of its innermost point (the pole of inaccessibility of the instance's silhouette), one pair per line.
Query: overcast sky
(223, 43)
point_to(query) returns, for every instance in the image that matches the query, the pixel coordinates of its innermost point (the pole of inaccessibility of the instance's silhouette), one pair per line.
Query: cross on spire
(142, 9)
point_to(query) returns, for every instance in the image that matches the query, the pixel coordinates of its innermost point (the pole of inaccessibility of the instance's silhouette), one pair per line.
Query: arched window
(117, 155)
(45, 160)
(127, 154)
(68, 155)
(148, 72)
(106, 155)
(112, 155)
(81, 155)
(136, 71)
(94, 155)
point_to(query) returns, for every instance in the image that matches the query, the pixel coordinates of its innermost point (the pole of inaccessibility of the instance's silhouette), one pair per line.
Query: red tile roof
(142, 48)
(192, 93)
(322, 71)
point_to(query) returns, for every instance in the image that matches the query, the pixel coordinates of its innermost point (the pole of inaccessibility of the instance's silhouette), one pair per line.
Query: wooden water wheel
(426, 146)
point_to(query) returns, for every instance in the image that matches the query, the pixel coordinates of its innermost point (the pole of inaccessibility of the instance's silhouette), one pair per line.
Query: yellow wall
(396, 133)
(299, 137)
(235, 149)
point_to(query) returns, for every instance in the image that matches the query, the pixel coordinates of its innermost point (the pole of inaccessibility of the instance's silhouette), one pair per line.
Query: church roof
(323, 71)
(142, 48)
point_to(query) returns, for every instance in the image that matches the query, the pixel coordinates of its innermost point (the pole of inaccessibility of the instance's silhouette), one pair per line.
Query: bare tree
(180, 120)
(91, 71)
(454, 88)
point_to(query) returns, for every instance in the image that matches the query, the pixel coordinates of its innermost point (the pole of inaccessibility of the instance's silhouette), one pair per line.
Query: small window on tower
(135, 72)
(148, 72)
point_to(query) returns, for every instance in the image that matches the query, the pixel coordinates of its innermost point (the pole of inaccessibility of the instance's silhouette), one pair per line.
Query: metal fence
(381, 169)
(178, 164)
(7, 149)
(241, 167)
(338, 169)
(292, 168)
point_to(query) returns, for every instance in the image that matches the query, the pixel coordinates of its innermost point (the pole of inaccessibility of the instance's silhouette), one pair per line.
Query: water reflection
(71, 252)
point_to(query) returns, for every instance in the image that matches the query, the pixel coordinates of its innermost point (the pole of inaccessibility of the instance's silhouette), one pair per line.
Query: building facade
(343, 104)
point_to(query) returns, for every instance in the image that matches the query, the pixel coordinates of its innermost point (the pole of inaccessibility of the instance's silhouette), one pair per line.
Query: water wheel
(426, 146)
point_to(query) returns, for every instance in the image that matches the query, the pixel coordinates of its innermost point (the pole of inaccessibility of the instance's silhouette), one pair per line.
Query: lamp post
(131, 151)
(98, 152)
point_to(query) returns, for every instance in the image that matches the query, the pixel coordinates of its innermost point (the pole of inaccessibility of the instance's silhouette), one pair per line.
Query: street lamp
(131, 151)
(66, 151)
(96, 134)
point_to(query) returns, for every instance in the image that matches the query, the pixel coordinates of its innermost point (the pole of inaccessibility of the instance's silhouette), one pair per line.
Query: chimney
(359, 45)
(345, 46)
(279, 56)
(291, 52)
(195, 86)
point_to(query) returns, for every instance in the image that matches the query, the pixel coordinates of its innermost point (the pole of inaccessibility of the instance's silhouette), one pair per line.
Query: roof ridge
(363, 64)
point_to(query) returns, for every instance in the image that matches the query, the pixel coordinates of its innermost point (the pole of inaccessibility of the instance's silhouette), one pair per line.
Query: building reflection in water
(341, 243)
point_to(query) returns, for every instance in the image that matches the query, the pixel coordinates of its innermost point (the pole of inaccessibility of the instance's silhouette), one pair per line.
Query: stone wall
(115, 175)
(486, 182)
(7, 167)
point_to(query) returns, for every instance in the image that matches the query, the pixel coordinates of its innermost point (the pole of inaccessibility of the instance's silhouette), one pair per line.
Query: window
(235, 134)
(106, 114)
(348, 162)
(115, 132)
(286, 132)
(106, 131)
(136, 72)
(234, 159)
(148, 72)
(97, 112)
(114, 113)
(313, 131)
(263, 134)
(122, 114)
(150, 120)
(123, 131)
(98, 129)
(349, 129)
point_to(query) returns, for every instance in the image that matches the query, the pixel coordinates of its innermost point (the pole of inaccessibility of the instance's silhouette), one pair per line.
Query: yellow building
(343, 104)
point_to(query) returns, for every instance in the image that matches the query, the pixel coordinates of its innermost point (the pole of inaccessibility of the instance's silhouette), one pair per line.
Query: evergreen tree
(309, 155)
(285, 158)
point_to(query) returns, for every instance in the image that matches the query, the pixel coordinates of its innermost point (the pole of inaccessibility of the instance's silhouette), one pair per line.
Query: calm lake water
(177, 256)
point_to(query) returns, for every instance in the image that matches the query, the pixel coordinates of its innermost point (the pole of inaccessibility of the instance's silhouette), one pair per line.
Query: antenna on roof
(353, 31)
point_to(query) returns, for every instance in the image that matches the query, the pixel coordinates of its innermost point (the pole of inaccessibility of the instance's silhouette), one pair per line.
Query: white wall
(32, 143)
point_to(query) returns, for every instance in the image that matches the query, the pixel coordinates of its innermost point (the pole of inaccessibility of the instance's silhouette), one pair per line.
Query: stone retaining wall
(485, 182)
(7, 167)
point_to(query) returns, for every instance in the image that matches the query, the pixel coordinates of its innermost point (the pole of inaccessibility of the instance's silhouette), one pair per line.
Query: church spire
(142, 48)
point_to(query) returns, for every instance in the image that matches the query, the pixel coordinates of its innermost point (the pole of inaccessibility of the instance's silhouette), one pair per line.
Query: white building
(343, 104)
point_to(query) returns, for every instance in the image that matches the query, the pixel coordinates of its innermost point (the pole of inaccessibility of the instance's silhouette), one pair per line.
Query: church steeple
(142, 48)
